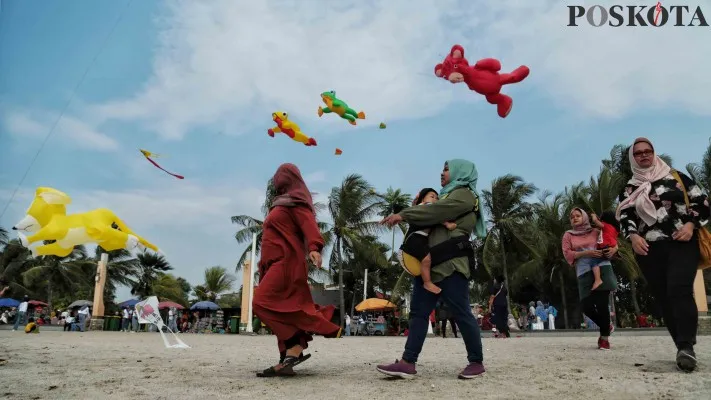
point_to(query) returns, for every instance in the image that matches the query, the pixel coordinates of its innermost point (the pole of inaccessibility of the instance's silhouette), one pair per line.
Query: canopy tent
(205, 305)
(129, 303)
(167, 304)
(374, 304)
(8, 302)
(81, 303)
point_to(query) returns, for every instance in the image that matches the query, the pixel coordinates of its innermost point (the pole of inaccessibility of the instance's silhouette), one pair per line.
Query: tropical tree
(547, 261)
(3, 236)
(251, 225)
(149, 266)
(217, 281)
(393, 201)
(701, 172)
(185, 288)
(60, 274)
(351, 206)
(168, 287)
(509, 214)
(14, 260)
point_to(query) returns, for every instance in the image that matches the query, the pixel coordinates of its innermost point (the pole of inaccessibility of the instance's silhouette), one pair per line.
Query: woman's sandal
(291, 361)
(271, 372)
(287, 367)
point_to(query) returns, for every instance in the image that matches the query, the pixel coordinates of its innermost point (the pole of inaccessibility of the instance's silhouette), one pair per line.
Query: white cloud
(226, 63)
(606, 71)
(315, 177)
(22, 124)
(69, 129)
(219, 61)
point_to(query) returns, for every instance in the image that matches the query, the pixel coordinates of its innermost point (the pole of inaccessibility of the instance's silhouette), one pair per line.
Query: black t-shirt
(500, 299)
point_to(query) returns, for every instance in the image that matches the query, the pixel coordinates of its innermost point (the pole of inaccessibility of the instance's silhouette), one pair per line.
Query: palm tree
(546, 230)
(392, 202)
(3, 236)
(217, 281)
(251, 225)
(14, 260)
(701, 172)
(509, 213)
(168, 287)
(149, 265)
(185, 288)
(352, 205)
(63, 274)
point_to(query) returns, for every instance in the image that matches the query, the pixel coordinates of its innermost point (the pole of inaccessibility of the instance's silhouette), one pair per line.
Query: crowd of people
(659, 212)
(23, 315)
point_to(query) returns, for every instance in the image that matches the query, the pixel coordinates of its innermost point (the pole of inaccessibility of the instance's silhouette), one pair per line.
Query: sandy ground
(114, 365)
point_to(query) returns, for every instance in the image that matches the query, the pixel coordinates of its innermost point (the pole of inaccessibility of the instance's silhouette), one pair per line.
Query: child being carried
(609, 230)
(417, 241)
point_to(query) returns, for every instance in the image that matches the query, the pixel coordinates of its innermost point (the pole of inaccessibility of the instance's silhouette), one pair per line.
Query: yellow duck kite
(47, 219)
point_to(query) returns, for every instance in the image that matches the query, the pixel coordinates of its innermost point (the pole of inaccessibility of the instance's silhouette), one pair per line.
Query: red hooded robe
(283, 298)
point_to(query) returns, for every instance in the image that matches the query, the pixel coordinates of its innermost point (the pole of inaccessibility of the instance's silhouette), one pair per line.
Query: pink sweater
(572, 244)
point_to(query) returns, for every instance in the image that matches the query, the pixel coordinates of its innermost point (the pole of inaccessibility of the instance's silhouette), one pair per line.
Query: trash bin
(115, 324)
(234, 324)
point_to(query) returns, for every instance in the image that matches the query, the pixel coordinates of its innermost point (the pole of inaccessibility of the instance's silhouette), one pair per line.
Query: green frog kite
(334, 105)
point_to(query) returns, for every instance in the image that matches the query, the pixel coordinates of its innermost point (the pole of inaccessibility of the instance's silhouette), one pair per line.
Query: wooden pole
(251, 285)
(98, 307)
(97, 315)
(246, 283)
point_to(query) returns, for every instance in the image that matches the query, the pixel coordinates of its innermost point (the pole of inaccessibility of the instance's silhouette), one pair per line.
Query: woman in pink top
(580, 250)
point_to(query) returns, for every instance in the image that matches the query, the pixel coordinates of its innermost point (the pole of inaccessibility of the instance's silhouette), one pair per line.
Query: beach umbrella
(8, 302)
(167, 304)
(373, 304)
(205, 305)
(80, 303)
(128, 303)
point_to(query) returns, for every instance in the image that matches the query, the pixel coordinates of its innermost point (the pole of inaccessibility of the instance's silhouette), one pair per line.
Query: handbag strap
(676, 175)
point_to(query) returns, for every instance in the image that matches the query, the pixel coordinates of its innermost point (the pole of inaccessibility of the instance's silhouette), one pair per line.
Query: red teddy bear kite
(483, 78)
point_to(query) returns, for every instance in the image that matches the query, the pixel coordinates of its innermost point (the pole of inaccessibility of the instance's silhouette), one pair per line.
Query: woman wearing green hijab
(459, 202)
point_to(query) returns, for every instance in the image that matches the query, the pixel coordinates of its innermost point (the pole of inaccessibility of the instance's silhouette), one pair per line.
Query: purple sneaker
(472, 370)
(399, 369)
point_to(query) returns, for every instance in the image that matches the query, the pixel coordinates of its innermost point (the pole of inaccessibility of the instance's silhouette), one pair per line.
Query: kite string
(66, 106)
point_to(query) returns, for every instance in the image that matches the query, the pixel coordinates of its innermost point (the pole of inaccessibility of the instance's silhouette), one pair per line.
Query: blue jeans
(19, 318)
(348, 329)
(455, 291)
(134, 324)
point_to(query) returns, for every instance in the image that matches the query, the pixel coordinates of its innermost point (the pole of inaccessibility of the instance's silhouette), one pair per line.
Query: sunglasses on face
(643, 153)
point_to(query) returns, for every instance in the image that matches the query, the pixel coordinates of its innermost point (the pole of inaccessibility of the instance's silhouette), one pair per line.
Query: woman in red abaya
(283, 299)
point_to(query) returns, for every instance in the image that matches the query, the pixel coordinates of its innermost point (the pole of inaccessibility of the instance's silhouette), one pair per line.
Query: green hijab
(463, 173)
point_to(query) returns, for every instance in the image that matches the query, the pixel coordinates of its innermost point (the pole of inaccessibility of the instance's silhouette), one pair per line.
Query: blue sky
(198, 81)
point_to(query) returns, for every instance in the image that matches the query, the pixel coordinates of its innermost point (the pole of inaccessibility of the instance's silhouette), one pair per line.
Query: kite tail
(164, 170)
